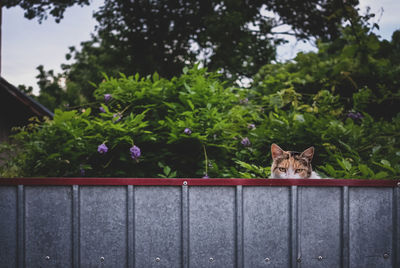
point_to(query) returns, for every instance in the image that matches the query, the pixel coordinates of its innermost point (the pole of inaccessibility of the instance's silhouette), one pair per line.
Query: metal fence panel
(158, 226)
(48, 236)
(103, 226)
(8, 226)
(212, 227)
(183, 225)
(371, 227)
(319, 226)
(396, 224)
(266, 223)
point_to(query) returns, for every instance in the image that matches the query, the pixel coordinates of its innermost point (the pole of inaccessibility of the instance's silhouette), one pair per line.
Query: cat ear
(308, 153)
(276, 151)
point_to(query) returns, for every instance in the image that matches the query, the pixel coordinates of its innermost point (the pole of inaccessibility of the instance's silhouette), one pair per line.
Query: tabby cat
(292, 165)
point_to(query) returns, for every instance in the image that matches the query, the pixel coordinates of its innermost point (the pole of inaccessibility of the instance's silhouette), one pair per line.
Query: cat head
(290, 164)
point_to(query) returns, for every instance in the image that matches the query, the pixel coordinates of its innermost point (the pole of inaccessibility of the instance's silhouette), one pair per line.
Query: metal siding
(199, 226)
(396, 224)
(212, 227)
(371, 227)
(158, 226)
(48, 236)
(320, 226)
(266, 226)
(103, 226)
(8, 223)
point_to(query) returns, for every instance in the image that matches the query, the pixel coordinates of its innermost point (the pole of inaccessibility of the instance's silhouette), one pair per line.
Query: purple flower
(355, 115)
(102, 110)
(107, 97)
(187, 131)
(135, 152)
(245, 142)
(205, 177)
(118, 119)
(102, 148)
(251, 126)
(82, 170)
(244, 101)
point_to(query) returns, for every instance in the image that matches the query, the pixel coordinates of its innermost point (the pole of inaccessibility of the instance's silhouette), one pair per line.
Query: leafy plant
(167, 172)
(195, 125)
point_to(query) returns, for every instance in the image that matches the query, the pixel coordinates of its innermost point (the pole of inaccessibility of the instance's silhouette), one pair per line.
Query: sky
(27, 44)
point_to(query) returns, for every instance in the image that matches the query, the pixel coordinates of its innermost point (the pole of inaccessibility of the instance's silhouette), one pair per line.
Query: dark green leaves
(193, 125)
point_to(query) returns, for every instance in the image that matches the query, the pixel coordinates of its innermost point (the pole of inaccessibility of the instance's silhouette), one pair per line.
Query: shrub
(195, 126)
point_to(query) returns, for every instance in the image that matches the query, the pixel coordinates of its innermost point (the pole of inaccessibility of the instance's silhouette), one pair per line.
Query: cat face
(290, 164)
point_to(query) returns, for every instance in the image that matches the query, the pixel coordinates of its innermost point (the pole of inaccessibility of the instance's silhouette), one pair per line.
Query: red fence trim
(198, 182)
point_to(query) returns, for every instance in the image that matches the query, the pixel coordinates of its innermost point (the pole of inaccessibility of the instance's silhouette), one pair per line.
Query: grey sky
(27, 44)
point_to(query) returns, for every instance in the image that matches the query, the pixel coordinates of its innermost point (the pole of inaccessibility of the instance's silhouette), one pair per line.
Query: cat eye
(299, 170)
(281, 169)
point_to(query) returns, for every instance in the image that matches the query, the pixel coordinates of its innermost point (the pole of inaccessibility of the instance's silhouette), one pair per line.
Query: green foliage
(66, 145)
(196, 100)
(343, 99)
(235, 37)
(253, 171)
(362, 71)
(154, 113)
(52, 93)
(167, 172)
(42, 9)
(195, 125)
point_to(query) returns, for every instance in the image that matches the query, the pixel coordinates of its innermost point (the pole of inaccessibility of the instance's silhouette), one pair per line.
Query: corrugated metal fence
(198, 223)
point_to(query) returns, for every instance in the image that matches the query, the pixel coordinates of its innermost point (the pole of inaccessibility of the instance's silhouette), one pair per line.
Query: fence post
(345, 227)
(239, 226)
(75, 226)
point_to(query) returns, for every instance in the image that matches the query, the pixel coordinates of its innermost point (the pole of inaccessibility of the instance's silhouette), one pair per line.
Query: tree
(53, 92)
(141, 36)
(236, 36)
(361, 69)
(42, 9)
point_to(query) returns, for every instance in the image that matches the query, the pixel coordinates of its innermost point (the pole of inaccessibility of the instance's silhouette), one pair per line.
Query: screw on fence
(47, 258)
(185, 183)
(158, 259)
(386, 255)
(102, 259)
(211, 259)
(267, 259)
(320, 258)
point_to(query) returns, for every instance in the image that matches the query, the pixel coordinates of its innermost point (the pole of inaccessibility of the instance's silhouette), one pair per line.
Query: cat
(292, 165)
